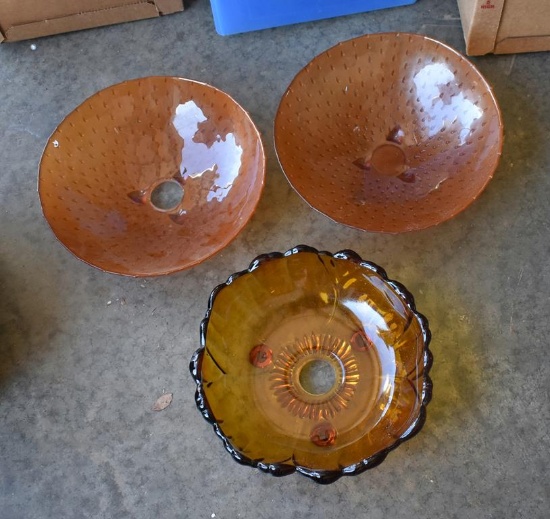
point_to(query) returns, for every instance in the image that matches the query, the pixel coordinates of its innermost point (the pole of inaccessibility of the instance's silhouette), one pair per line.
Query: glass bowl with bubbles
(389, 132)
(151, 176)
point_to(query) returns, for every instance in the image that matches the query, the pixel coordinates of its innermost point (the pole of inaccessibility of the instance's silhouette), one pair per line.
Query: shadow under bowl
(151, 176)
(312, 362)
(389, 132)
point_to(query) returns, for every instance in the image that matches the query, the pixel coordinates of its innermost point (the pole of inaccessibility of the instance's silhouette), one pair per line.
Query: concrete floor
(84, 355)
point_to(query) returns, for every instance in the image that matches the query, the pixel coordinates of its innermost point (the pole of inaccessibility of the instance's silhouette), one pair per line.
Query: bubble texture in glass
(389, 132)
(105, 163)
(270, 325)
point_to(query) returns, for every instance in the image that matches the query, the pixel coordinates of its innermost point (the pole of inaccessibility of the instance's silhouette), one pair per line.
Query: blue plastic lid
(235, 16)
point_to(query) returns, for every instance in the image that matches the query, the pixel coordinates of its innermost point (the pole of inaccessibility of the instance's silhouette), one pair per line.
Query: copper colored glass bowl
(312, 362)
(151, 176)
(389, 132)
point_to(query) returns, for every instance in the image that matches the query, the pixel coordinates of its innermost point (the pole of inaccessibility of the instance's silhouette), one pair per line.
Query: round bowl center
(389, 159)
(167, 195)
(317, 377)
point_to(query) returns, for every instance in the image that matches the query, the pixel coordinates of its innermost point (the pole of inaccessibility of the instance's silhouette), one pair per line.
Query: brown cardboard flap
(480, 21)
(505, 26)
(106, 14)
(523, 44)
(525, 18)
(169, 6)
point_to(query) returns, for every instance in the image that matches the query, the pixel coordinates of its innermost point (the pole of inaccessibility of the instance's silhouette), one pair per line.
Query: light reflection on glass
(374, 322)
(366, 314)
(393, 299)
(222, 157)
(432, 81)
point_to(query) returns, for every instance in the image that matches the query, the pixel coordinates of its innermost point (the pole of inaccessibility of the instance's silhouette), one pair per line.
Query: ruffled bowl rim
(284, 469)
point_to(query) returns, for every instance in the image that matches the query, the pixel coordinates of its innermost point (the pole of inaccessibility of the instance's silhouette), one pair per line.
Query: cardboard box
(505, 26)
(25, 19)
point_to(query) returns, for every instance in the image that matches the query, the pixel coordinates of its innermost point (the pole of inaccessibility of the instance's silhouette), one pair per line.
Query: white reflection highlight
(431, 81)
(374, 323)
(366, 314)
(223, 156)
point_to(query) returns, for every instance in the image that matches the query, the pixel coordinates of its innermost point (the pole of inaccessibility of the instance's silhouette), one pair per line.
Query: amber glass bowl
(389, 132)
(312, 362)
(151, 176)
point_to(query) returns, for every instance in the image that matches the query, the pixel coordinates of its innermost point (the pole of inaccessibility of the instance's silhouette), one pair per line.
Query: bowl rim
(461, 57)
(283, 469)
(224, 243)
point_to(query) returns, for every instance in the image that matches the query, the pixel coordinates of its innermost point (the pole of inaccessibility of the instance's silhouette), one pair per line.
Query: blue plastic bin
(234, 16)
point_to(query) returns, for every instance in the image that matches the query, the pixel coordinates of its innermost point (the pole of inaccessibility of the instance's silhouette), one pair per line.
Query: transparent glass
(389, 132)
(312, 362)
(151, 176)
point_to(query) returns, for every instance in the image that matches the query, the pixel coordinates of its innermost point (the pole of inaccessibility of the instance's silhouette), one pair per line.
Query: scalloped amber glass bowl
(389, 132)
(151, 176)
(312, 362)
